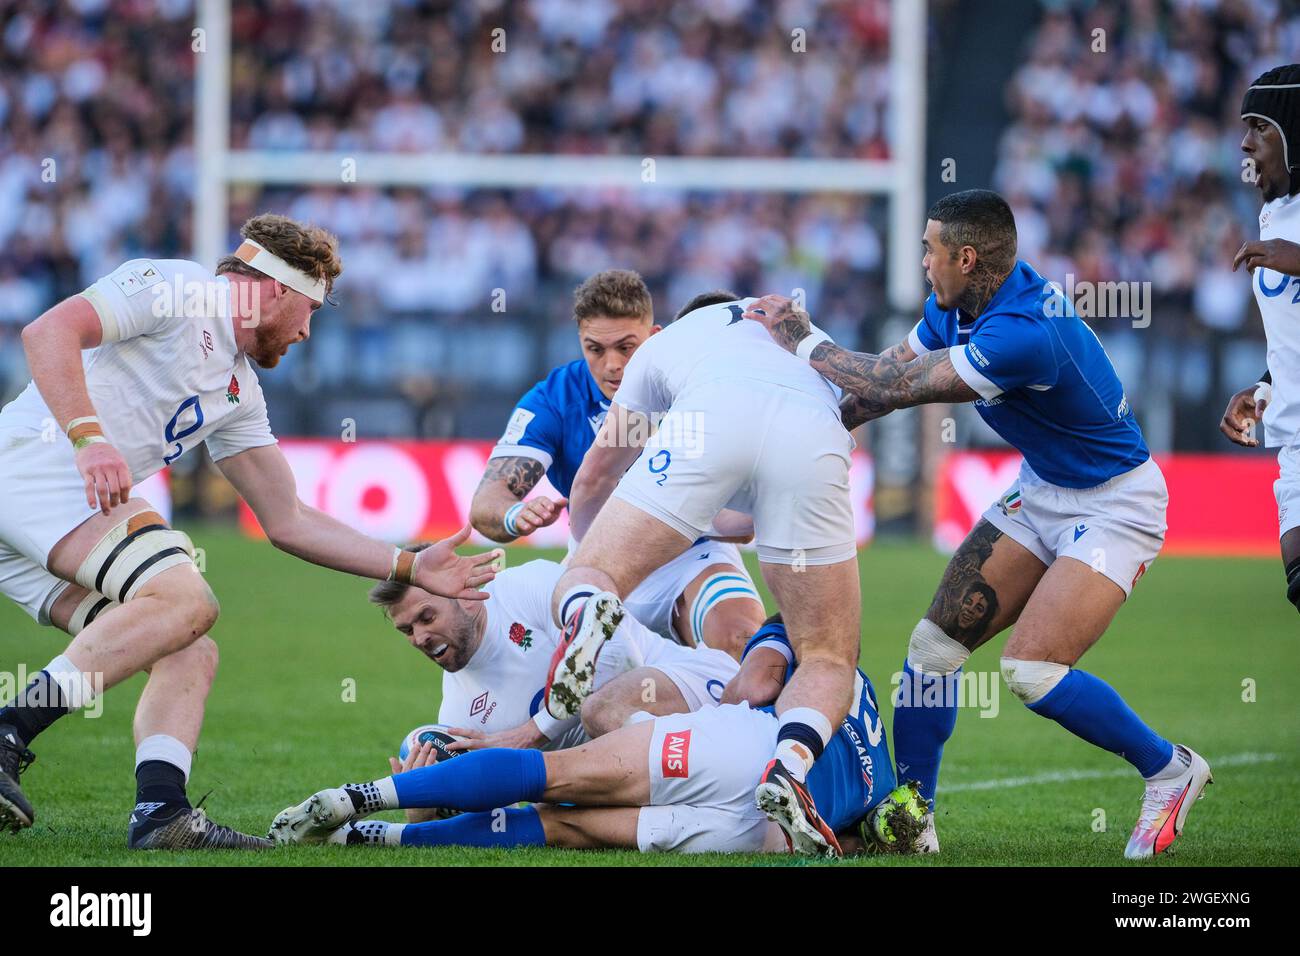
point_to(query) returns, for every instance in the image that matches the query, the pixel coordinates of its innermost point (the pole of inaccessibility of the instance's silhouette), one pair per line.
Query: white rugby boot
(313, 820)
(573, 666)
(1168, 799)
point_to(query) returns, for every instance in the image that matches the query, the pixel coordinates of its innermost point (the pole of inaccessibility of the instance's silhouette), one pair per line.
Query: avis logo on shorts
(676, 754)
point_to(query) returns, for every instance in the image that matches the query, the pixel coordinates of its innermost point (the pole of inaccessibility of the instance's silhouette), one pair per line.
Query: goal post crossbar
(899, 179)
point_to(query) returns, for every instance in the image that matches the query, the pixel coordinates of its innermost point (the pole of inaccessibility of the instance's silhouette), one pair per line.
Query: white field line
(1066, 776)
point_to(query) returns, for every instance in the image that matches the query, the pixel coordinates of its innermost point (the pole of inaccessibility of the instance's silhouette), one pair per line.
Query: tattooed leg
(987, 583)
(984, 587)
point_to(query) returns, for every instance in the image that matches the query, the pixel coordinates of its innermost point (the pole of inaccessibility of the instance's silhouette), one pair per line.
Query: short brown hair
(388, 594)
(614, 294)
(310, 249)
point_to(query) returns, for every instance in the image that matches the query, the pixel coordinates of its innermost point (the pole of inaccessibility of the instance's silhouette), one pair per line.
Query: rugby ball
(438, 734)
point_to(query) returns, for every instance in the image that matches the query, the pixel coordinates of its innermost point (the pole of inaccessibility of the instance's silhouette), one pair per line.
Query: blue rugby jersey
(1045, 383)
(855, 771)
(555, 423)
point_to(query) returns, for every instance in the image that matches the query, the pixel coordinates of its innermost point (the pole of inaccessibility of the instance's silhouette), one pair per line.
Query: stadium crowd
(1120, 164)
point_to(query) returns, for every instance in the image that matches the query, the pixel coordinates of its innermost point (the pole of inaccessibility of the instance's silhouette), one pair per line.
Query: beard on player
(272, 339)
(454, 639)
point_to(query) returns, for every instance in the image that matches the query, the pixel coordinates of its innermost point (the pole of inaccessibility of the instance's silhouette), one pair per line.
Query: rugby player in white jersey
(1271, 109)
(495, 656)
(706, 594)
(742, 427)
(677, 783)
(145, 364)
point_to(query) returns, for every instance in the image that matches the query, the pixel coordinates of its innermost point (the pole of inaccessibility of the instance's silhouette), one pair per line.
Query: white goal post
(901, 178)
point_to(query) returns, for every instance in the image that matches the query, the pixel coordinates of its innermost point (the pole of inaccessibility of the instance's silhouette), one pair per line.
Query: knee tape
(717, 588)
(931, 651)
(1031, 681)
(134, 551)
(90, 607)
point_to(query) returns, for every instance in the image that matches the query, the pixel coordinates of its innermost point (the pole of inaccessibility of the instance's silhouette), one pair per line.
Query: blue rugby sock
(478, 780)
(518, 827)
(925, 713)
(1090, 708)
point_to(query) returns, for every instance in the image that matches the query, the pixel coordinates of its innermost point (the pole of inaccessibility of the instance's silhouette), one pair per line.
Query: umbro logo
(477, 705)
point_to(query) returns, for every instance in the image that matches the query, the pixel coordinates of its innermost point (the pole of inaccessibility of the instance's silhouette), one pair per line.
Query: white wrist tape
(810, 342)
(508, 520)
(1263, 393)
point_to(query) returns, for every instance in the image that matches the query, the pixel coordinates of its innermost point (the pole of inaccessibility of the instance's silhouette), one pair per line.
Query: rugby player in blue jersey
(680, 783)
(1061, 550)
(706, 592)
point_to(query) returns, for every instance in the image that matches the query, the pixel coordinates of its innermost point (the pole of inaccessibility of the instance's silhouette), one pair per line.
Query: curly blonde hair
(310, 249)
(614, 294)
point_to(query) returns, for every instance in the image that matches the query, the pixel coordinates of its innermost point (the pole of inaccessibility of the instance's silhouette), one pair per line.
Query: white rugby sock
(76, 685)
(797, 756)
(573, 599)
(168, 750)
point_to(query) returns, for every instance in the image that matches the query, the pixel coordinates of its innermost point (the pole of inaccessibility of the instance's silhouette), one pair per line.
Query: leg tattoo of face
(966, 604)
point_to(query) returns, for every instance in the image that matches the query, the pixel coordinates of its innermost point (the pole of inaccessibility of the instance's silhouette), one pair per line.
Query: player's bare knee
(1031, 681)
(600, 714)
(192, 606)
(730, 626)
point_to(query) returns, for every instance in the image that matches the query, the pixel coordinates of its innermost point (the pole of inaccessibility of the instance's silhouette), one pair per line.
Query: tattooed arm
(506, 482)
(878, 383)
(881, 383)
(854, 410)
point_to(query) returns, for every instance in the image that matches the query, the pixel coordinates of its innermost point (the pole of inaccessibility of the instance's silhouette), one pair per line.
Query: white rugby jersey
(711, 344)
(167, 375)
(1278, 296)
(502, 685)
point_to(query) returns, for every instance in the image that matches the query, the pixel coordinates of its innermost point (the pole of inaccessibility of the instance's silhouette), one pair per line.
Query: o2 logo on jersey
(1274, 291)
(195, 423)
(658, 465)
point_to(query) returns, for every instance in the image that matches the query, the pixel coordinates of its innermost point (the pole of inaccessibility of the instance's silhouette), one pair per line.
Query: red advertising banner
(1218, 504)
(411, 490)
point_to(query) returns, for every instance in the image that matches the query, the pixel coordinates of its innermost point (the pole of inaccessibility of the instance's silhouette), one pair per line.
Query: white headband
(268, 263)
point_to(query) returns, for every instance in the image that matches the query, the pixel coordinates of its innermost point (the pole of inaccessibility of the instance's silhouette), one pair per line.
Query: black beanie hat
(1275, 97)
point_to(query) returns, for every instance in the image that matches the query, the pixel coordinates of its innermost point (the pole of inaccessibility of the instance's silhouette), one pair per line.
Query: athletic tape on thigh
(719, 587)
(132, 552)
(89, 608)
(1293, 583)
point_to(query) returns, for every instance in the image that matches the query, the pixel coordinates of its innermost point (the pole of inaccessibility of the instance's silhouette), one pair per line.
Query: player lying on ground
(496, 657)
(1059, 552)
(150, 361)
(705, 594)
(680, 783)
(741, 426)
(1271, 109)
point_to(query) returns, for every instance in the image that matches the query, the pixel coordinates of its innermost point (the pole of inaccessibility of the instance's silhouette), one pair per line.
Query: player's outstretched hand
(539, 512)
(785, 322)
(1276, 254)
(523, 737)
(420, 755)
(108, 480)
(1240, 419)
(441, 571)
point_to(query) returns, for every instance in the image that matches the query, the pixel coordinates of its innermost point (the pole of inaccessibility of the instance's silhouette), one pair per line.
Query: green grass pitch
(1197, 637)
